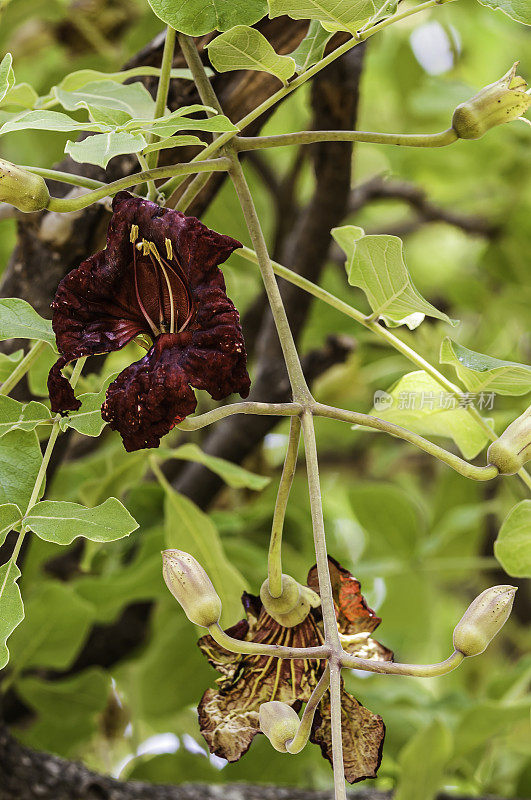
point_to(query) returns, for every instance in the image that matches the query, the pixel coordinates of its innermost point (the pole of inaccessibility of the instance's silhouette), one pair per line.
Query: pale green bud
(192, 588)
(483, 619)
(279, 722)
(22, 189)
(500, 102)
(511, 451)
(294, 603)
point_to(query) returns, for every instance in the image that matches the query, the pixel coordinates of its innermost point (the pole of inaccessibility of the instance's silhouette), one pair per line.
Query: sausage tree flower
(229, 714)
(158, 276)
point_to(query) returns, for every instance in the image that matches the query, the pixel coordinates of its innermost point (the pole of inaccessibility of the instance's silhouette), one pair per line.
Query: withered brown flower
(228, 715)
(158, 276)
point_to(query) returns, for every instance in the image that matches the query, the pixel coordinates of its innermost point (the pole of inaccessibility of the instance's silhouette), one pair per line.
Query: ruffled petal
(62, 395)
(353, 613)
(151, 396)
(363, 736)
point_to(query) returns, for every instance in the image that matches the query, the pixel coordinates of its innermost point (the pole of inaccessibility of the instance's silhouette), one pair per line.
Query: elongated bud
(511, 451)
(500, 102)
(483, 619)
(192, 588)
(22, 189)
(279, 722)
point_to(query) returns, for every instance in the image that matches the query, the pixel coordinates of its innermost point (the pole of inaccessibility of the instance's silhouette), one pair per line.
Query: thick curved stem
(109, 189)
(162, 88)
(256, 649)
(486, 473)
(274, 563)
(441, 139)
(249, 407)
(392, 668)
(21, 369)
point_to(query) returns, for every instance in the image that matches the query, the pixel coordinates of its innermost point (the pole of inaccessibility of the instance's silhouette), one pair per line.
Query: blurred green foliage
(418, 536)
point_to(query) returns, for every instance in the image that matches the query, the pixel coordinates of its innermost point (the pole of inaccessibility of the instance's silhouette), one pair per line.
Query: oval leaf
(18, 320)
(10, 515)
(312, 47)
(196, 17)
(512, 548)
(17, 415)
(481, 373)
(247, 48)
(334, 15)
(376, 264)
(519, 10)
(61, 522)
(20, 460)
(419, 403)
(99, 149)
(232, 474)
(11, 607)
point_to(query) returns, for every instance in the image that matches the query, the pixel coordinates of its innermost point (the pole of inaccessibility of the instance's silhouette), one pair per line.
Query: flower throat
(161, 288)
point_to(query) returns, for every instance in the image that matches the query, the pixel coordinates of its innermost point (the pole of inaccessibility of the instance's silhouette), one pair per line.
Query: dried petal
(363, 736)
(353, 613)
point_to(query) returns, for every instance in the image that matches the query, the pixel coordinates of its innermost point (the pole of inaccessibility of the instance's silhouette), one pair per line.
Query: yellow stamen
(169, 249)
(134, 233)
(155, 252)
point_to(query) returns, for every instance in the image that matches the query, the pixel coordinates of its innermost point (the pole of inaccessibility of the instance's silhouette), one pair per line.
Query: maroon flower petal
(151, 396)
(61, 393)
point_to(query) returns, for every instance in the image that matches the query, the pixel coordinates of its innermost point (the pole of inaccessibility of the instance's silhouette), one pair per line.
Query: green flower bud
(483, 619)
(22, 189)
(500, 102)
(294, 603)
(279, 722)
(511, 451)
(192, 588)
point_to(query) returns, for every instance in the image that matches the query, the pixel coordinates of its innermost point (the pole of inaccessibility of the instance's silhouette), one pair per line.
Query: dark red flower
(228, 715)
(159, 276)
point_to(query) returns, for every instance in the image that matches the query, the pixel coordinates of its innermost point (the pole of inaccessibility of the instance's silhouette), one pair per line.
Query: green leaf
(22, 94)
(481, 373)
(67, 710)
(423, 760)
(232, 474)
(18, 320)
(61, 522)
(196, 17)
(10, 515)
(519, 10)
(20, 460)
(335, 15)
(76, 80)
(167, 126)
(56, 624)
(11, 607)
(132, 99)
(246, 48)
(8, 362)
(419, 403)
(312, 47)
(479, 725)
(174, 141)
(512, 548)
(376, 264)
(389, 518)
(47, 121)
(17, 415)
(87, 419)
(99, 149)
(188, 528)
(7, 76)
